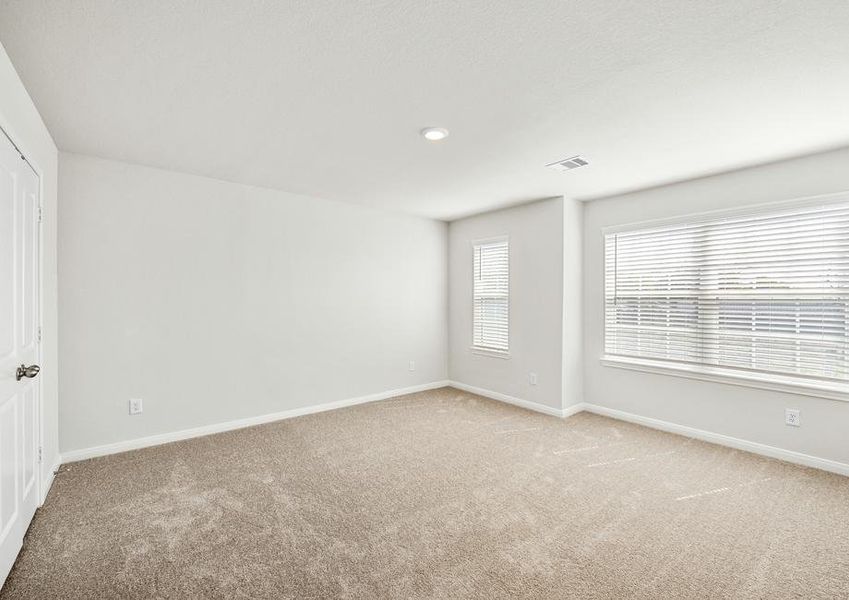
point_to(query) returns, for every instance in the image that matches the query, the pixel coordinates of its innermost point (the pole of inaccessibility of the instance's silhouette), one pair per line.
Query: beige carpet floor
(441, 494)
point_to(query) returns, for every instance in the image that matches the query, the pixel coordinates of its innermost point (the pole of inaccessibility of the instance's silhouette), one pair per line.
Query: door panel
(27, 251)
(26, 247)
(9, 484)
(29, 439)
(20, 414)
(7, 259)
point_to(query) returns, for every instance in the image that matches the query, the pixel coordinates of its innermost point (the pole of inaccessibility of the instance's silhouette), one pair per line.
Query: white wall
(573, 292)
(536, 302)
(741, 412)
(21, 121)
(215, 301)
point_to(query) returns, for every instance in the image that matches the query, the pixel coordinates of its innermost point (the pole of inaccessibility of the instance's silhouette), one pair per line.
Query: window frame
(484, 350)
(794, 384)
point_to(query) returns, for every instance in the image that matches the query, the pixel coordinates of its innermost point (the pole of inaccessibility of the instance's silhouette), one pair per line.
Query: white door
(19, 322)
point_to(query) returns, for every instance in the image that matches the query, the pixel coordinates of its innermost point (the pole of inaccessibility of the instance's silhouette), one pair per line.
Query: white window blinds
(765, 292)
(491, 295)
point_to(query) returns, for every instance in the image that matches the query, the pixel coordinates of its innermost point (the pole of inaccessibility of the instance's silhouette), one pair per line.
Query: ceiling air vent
(569, 163)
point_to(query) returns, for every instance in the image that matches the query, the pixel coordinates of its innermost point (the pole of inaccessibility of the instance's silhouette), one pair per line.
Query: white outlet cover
(412, 365)
(792, 417)
(532, 378)
(136, 406)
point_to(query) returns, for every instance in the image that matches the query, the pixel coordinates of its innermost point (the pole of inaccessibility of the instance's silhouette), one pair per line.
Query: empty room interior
(453, 300)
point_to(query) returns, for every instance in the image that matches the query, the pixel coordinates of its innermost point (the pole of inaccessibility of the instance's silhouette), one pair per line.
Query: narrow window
(491, 295)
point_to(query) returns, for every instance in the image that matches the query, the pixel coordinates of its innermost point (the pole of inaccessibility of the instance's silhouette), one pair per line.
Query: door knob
(27, 371)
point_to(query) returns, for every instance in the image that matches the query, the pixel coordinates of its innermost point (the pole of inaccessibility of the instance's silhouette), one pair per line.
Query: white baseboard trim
(48, 481)
(700, 434)
(185, 434)
(573, 410)
(541, 408)
(723, 440)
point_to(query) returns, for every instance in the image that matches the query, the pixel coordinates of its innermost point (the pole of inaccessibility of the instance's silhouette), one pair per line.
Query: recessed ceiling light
(434, 134)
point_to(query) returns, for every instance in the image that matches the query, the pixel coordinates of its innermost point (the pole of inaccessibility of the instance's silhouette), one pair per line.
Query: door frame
(41, 489)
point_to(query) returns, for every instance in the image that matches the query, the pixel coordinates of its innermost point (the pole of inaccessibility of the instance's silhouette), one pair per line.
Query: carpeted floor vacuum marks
(440, 494)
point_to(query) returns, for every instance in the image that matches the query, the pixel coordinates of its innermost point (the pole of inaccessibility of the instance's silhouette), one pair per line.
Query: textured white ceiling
(326, 97)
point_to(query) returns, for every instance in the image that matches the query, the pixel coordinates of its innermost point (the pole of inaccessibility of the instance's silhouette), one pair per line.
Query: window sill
(777, 383)
(489, 352)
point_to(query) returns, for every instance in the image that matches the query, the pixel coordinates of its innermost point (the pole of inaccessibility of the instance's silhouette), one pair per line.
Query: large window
(491, 296)
(759, 293)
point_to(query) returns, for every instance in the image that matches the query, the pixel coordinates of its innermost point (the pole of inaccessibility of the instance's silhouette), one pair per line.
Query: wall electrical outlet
(412, 365)
(532, 378)
(792, 417)
(136, 406)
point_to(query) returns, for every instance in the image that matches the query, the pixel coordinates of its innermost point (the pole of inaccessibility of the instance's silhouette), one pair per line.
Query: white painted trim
(700, 434)
(723, 440)
(489, 352)
(495, 239)
(573, 410)
(185, 434)
(740, 377)
(47, 483)
(541, 408)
